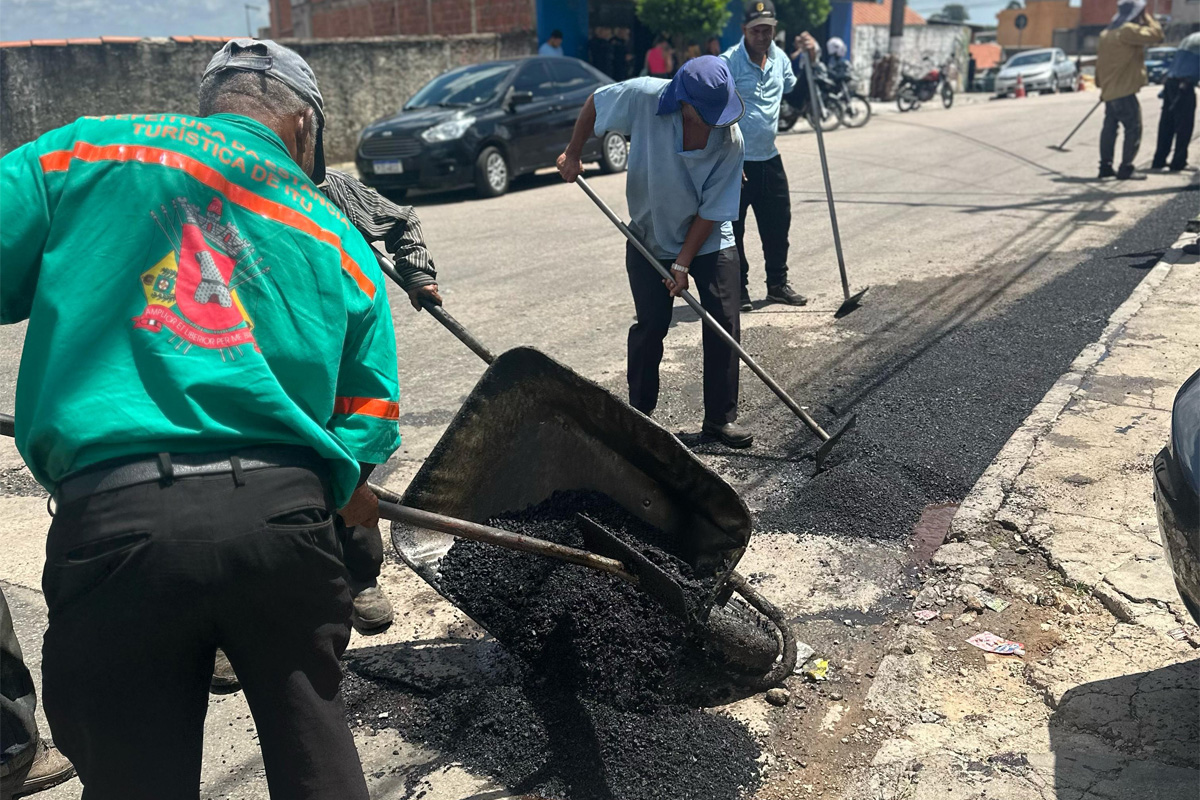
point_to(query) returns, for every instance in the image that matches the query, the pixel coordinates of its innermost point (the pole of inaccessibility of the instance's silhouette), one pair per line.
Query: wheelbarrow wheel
(753, 636)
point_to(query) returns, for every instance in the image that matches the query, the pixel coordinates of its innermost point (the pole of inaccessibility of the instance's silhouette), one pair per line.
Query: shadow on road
(1132, 736)
(522, 183)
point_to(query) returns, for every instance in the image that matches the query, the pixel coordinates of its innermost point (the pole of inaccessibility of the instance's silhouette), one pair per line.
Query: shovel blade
(829, 443)
(652, 579)
(851, 303)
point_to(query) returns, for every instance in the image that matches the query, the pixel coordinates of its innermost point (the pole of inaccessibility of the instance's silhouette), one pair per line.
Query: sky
(64, 19)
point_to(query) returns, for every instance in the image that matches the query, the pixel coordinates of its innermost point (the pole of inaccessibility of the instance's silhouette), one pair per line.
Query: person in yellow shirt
(1120, 73)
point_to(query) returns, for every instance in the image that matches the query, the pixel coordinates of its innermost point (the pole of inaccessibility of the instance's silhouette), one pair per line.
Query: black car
(484, 125)
(1177, 494)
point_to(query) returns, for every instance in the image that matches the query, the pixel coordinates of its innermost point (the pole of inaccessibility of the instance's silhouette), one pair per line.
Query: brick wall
(359, 18)
(46, 87)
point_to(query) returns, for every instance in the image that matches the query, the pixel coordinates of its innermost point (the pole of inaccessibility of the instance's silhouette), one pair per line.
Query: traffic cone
(1020, 92)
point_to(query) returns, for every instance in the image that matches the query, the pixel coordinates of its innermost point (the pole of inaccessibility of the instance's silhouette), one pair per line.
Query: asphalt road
(991, 259)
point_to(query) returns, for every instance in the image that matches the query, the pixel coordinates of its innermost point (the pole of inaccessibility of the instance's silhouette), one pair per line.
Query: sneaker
(1179, 168)
(372, 612)
(223, 680)
(730, 433)
(1126, 173)
(1106, 172)
(746, 304)
(48, 768)
(787, 295)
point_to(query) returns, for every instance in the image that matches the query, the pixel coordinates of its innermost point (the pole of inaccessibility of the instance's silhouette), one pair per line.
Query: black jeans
(766, 191)
(1126, 112)
(18, 729)
(143, 585)
(1176, 123)
(714, 276)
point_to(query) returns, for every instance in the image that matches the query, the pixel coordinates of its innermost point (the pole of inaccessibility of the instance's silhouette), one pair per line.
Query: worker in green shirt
(208, 375)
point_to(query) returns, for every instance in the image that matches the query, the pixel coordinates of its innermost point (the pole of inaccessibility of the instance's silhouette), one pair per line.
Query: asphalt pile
(601, 697)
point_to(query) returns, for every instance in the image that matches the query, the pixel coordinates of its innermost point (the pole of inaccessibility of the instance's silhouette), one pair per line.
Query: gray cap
(285, 66)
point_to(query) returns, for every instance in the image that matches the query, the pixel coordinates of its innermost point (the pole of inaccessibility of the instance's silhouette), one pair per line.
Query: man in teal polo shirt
(683, 184)
(208, 375)
(763, 75)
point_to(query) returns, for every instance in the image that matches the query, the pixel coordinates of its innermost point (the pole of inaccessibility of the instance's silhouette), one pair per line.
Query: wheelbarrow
(532, 427)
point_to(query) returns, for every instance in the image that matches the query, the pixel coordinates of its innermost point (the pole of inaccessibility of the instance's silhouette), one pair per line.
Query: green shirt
(189, 289)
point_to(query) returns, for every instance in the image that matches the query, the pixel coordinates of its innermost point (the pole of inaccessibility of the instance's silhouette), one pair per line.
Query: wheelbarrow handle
(513, 541)
(437, 312)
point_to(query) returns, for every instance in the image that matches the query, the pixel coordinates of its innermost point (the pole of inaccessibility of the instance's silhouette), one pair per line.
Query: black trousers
(18, 729)
(1126, 112)
(714, 276)
(144, 583)
(766, 191)
(1176, 123)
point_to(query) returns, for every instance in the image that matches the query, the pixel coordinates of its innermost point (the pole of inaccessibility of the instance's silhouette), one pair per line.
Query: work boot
(787, 295)
(1126, 173)
(746, 304)
(730, 433)
(1106, 171)
(223, 680)
(48, 768)
(372, 611)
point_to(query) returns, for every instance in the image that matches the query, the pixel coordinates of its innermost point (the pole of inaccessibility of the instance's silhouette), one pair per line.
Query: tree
(797, 16)
(954, 12)
(691, 20)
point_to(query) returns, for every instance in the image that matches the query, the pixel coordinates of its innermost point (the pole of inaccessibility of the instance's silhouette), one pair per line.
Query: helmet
(836, 47)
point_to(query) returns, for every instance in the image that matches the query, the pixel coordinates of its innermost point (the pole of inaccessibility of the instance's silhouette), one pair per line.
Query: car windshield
(461, 87)
(1159, 53)
(1030, 58)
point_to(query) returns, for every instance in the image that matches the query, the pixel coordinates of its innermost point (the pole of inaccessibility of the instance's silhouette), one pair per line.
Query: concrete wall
(45, 87)
(939, 41)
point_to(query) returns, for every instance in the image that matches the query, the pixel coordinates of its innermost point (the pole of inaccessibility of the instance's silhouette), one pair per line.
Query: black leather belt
(169, 467)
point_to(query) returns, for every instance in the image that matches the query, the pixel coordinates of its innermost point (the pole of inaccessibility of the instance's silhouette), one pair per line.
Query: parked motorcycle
(934, 80)
(795, 105)
(853, 108)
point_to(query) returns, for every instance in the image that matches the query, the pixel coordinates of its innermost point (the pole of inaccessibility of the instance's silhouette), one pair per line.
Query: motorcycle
(795, 105)
(853, 108)
(935, 80)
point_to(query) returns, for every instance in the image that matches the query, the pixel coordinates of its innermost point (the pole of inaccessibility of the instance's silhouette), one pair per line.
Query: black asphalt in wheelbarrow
(532, 427)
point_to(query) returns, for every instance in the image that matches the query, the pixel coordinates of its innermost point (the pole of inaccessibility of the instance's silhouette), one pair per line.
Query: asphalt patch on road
(932, 413)
(599, 697)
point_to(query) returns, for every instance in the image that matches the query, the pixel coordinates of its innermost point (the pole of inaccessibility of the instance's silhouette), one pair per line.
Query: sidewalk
(1105, 703)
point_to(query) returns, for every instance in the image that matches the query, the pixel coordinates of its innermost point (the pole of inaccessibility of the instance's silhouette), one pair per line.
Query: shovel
(827, 440)
(851, 302)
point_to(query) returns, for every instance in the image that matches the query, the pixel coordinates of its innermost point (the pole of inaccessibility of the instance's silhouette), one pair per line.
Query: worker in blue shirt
(682, 188)
(1179, 106)
(553, 45)
(763, 75)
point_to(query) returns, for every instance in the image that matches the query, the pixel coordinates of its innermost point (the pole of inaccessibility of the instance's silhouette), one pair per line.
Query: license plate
(389, 167)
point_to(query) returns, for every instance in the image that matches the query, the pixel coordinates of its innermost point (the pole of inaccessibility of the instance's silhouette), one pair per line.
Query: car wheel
(614, 153)
(491, 173)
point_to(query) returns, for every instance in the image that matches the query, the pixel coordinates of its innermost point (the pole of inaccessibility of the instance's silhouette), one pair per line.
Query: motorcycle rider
(836, 62)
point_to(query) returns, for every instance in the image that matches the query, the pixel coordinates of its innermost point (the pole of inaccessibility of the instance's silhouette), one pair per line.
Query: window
(571, 76)
(535, 78)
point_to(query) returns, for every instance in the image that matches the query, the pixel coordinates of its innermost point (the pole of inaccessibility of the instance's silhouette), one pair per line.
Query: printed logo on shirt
(192, 291)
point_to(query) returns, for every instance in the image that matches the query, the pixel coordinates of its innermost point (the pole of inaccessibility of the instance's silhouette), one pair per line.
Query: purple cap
(704, 83)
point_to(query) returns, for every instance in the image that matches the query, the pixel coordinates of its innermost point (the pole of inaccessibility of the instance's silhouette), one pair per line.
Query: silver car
(1177, 494)
(1045, 70)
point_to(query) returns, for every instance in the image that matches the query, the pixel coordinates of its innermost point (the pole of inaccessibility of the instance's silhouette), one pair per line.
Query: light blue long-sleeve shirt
(1186, 64)
(762, 91)
(548, 49)
(667, 186)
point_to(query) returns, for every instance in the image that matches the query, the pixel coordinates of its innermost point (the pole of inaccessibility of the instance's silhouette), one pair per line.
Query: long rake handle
(1080, 125)
(706, 317)
(813, 100)
(513, 541)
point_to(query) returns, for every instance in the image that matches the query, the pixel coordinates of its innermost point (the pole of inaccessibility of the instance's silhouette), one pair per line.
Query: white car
(1045, 70)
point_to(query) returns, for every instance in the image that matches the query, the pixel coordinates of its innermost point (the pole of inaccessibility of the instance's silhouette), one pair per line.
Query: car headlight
(448, 131)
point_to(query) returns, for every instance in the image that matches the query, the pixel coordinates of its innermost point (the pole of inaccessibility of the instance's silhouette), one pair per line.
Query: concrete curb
(987, 495)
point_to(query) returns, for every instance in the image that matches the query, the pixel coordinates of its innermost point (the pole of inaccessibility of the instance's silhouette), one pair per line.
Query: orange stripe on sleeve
(59, 160)
(367, 407)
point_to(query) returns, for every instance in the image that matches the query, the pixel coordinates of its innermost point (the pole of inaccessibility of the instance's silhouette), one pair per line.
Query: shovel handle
(513, 541)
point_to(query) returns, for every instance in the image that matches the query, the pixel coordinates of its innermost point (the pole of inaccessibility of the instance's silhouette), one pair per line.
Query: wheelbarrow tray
(532, 427)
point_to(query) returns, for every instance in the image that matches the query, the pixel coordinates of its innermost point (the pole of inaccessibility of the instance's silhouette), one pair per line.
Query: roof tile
(120, 39)
(15, 44)
(83, 41)
(48, 42)
(183, 39)
(871, 13)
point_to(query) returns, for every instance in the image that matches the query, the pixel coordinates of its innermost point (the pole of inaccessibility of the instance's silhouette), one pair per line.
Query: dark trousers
(362, 550)
(766, 191)
(1176, 123)
(144, 583)
(1126, 112)
(18, 729)
(714, 276)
